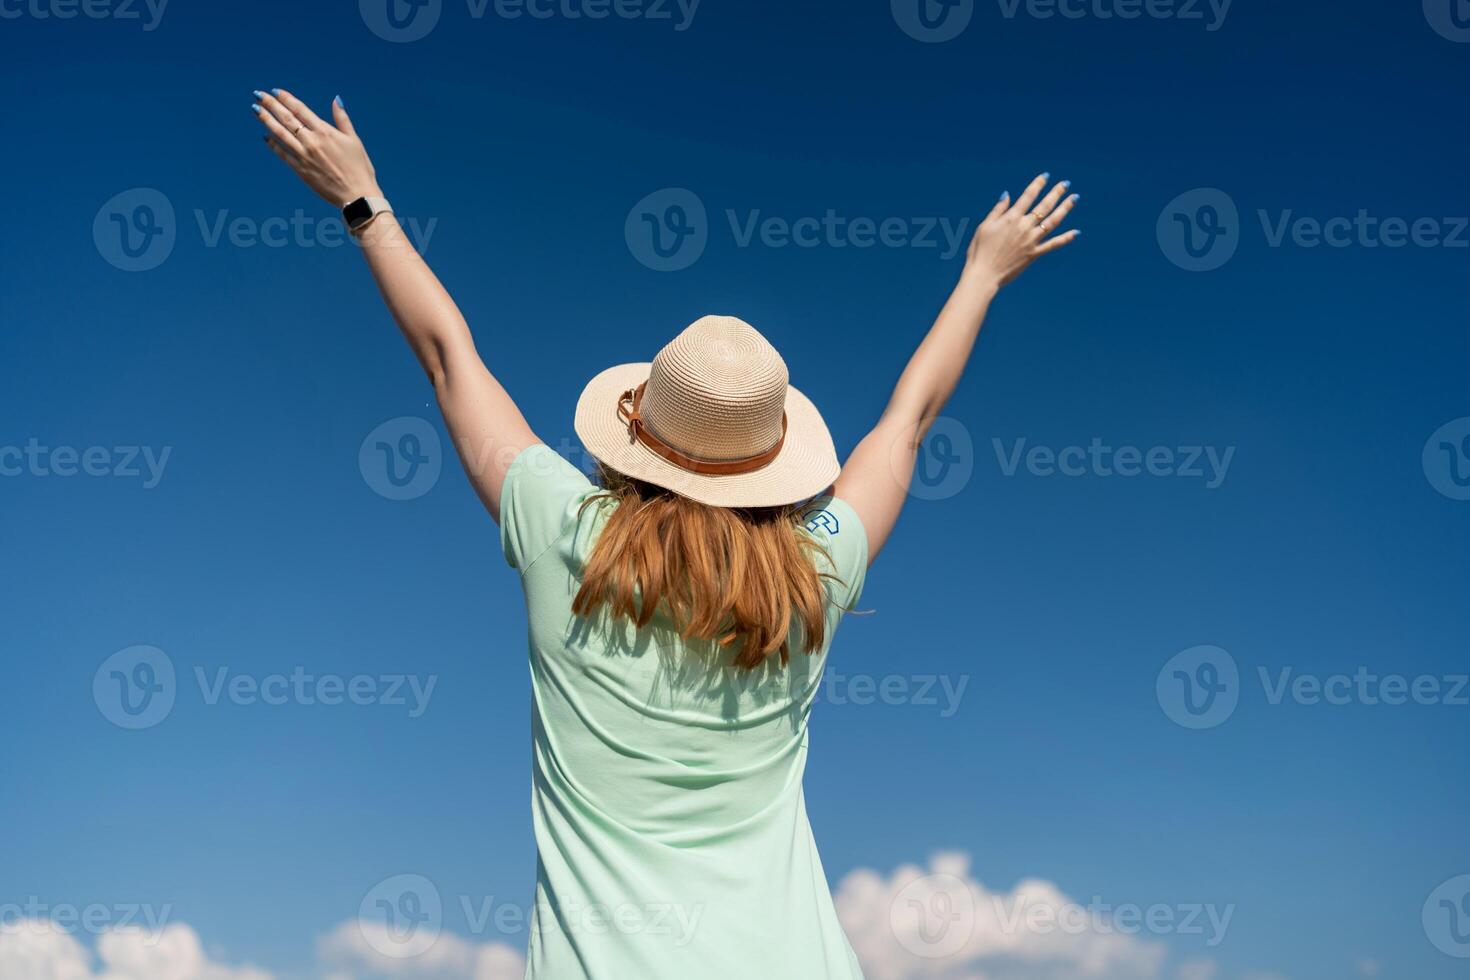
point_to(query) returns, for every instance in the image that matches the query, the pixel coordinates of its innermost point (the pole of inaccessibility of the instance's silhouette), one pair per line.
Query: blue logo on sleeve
(821, 520)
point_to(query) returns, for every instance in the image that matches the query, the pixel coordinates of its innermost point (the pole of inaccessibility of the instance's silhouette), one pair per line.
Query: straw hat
(711, 418)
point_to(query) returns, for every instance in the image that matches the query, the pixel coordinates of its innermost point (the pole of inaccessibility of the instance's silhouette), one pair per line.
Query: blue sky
(221, 399)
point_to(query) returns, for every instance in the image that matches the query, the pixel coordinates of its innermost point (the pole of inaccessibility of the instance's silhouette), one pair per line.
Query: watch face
(356, 212)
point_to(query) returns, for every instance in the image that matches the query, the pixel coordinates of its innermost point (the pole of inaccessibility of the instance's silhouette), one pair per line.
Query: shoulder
(539, 501)
(844, 541)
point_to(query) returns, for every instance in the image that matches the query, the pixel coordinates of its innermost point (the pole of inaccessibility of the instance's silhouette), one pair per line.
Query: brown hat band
(628, 410)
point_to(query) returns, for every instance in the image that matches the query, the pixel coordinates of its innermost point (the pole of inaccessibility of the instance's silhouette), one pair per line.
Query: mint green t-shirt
(671, 830)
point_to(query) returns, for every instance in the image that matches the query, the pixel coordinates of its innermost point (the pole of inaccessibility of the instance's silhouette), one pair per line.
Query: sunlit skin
(483, 420)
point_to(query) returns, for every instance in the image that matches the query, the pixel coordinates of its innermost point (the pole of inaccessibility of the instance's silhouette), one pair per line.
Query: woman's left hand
(330, 158)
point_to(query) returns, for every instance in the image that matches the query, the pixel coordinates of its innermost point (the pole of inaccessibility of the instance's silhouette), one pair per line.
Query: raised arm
(487, 428)
(875, 479)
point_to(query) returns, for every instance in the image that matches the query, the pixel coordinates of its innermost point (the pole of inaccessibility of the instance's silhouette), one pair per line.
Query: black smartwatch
(359, 212)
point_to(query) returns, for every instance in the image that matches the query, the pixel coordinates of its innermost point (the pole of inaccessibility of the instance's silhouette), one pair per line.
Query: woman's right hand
(1013, 235)
(330, 158)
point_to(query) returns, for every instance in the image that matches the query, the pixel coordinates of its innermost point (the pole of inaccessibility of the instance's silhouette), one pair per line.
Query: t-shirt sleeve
(538, 501)
(843, 538)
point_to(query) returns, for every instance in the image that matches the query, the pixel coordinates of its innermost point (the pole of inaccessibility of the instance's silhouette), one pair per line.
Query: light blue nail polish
(1066, 183)
(1076, 198)
(1046, 176)
(255, 108)
(259, 94)
(275, 91)
(1005, 195)
(338, 100)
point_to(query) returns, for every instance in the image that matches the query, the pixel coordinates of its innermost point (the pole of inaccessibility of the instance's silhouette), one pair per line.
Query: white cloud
(1196, 970)
(942, 924)
(36, 949)
(347, 948)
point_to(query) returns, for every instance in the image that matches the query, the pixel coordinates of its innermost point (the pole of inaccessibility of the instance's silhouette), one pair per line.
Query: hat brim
(805, 466)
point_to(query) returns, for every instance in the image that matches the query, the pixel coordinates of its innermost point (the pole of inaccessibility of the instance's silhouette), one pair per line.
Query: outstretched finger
(1054, 220)
(301, 109)
(1052, 244)
(339, 114)
(1000, 206)
(1048, 204)
(1031, 193)
(278, 130)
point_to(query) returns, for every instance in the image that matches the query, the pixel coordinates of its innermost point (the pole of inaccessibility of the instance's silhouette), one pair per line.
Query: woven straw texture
(716, 392)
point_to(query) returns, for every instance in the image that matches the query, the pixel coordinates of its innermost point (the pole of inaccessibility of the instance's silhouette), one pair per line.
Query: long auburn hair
(732, 575)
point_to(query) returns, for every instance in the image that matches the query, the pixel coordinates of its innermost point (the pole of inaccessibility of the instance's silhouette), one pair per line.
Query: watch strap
(359, 212)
